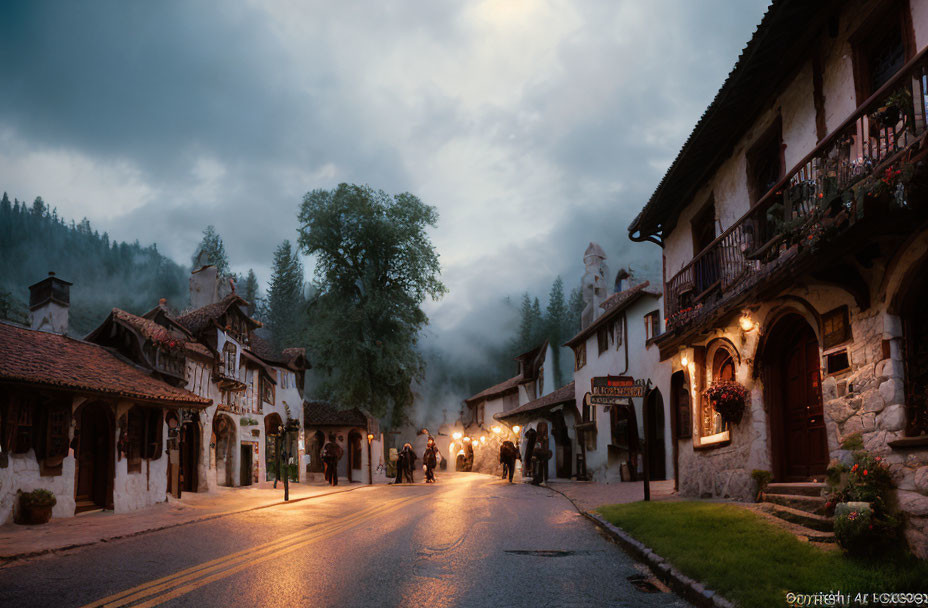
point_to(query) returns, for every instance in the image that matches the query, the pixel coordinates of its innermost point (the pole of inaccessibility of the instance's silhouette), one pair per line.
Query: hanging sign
(610, 390)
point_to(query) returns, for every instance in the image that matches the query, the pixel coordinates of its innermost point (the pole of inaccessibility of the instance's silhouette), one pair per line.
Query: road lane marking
(148, 588)
(196, 584)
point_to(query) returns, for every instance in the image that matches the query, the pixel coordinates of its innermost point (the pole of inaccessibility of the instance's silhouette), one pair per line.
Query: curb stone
(5, 559)
(687, 588)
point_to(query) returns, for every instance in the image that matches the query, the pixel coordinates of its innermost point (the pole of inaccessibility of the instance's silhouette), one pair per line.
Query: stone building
(79, 420)
(362, 458)
(792, 224)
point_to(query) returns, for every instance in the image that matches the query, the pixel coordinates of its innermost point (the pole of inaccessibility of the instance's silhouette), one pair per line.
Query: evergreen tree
(285, 305)
(212, 244)
(249, 291)
(575, 308)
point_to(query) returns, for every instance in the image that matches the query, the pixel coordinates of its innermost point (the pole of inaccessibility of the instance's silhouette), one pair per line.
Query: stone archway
(793, 393)
(224, 429)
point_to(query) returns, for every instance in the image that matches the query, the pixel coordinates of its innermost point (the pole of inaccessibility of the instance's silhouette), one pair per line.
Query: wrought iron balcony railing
(862, 162)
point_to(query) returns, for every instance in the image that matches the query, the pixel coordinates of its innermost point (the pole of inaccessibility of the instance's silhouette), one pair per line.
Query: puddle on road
(549, 552)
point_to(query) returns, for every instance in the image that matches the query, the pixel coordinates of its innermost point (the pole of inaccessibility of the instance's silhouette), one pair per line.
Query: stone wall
(22, 474)
(871, 401)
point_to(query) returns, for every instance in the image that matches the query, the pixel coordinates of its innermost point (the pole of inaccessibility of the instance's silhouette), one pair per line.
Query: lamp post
(370, 467)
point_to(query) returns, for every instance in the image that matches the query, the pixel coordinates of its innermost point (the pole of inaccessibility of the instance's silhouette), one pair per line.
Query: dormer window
(881, 48)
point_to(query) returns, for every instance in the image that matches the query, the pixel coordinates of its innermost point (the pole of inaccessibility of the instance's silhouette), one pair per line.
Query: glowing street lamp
(747, 323)
(483, 439)
(456, 435)
(497, 430)
(516, 429)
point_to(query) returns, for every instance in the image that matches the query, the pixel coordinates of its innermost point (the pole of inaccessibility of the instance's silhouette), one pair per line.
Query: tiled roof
(781, 39)
(320, 413)
(148, 329)
(500, 389)
(565, 394)
(198, 319)
(43, 358)
(198, 348)
(614, 304)
(263, 349)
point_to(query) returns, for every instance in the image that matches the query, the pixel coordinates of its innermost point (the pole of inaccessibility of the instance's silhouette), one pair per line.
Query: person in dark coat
(410, 461)
(430, 460)
(400, 466)
(331, 454)
(541, 454)
(527, 463)
(508, 454)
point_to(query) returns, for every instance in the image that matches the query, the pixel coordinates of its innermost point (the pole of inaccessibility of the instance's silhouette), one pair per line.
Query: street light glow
(516, 429)
(483, 439)
(456, 435)
(497, 430)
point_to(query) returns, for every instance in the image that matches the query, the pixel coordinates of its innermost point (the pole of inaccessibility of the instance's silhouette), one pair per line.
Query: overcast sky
(533, 126)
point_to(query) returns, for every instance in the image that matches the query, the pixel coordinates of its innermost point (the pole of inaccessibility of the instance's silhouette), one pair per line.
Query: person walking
(430, 459)
(331, 454)
(541, 454)
(410, 460)
(508, 454)
(400, 466)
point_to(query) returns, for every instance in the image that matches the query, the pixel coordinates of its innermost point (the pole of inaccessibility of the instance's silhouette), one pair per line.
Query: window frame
(870, 33)
(580, 356)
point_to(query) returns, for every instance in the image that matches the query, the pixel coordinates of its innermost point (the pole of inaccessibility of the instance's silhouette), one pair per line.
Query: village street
(469, 540)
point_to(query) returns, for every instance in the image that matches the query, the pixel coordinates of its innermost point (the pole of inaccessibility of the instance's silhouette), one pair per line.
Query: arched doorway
(354, 455)
(625, 439)
(315, 452)
(562, 447)
(792, 383)
(273, 437)
(224, 429)
(96, 458)
(190, 456)
(654, 435)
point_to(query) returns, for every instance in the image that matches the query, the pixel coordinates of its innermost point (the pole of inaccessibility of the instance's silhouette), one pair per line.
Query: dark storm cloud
(534, 127)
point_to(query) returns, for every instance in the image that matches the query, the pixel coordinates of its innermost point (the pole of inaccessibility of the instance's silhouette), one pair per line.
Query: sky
(533, 126)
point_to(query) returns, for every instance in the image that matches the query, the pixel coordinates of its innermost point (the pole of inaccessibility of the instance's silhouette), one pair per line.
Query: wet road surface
(469, 540)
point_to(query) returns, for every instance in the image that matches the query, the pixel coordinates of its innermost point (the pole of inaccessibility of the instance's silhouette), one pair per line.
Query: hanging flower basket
(728, 399)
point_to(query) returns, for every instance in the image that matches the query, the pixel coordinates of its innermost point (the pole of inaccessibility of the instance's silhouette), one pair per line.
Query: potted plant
(728, 399)
(761, 481)
(37, 506)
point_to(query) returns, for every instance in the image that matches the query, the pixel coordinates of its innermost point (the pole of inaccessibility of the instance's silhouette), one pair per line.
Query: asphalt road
(469, 540)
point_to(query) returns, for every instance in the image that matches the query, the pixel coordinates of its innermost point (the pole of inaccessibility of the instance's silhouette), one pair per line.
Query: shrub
(38, 498)
(761, 479)
(854, 527)
(853, 442)
(863, 522)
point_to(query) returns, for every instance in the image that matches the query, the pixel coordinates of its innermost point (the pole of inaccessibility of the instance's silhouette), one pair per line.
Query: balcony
(857, 179)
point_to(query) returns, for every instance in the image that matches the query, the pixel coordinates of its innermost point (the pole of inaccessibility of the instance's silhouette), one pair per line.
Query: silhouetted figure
(331, 454)
(410, 458)
(541, 454)
(508, 454)
(400, 465)
(430, 459)
(528, 464)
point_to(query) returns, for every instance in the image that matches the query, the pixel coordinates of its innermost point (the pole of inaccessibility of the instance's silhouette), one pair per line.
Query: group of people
(406, 462)
(536, 458)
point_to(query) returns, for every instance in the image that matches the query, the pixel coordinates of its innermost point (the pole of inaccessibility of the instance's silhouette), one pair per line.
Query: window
(765, 162)
(837, 362)
(723, 370)
(835, 327)
(703, 227)
(229, 364)
(135, 432)
(881, 48)
(154, 434)
(23, 436)
(617, 327)
(652, 325)
(267, 390)
(579, 356)
(480, 413)
(602, 339)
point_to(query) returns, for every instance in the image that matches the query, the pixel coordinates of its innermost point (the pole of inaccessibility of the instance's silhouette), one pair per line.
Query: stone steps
(810, 504)
(812, 521)
(773, 513)
(805, 488)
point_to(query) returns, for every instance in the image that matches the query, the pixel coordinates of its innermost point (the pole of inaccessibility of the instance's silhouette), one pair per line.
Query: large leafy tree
(211, 243)
(375, 265)
(285, 305)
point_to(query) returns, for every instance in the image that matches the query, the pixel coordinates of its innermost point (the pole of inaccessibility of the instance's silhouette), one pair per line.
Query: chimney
(49, 301)
(204, 286)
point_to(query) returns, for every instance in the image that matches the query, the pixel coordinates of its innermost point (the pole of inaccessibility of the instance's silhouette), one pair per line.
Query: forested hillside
(35, 240)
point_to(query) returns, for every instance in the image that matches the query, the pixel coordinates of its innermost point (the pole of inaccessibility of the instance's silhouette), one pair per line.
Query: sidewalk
(18, 541)
(588, 495)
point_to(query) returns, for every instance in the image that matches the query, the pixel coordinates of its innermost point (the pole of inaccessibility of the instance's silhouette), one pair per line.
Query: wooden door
(806, 448)
(94, 469)
(657, 468)
(246, 464)
(190, 457)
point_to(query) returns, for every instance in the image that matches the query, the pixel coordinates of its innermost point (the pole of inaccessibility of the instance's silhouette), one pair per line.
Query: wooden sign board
(617, 386)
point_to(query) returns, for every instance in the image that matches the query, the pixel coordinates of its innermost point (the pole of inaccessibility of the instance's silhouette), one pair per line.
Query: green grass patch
(753, 562)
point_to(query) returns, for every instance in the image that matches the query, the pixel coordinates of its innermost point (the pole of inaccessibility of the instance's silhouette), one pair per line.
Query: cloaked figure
(508, 454)
(430, 460)
(409, 463)
(331, 454)
(541, 454)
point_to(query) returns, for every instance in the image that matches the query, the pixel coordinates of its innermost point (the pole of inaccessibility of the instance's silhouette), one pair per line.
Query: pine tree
(575, 308)
(250, 291)
(212, 244)
(285, 303)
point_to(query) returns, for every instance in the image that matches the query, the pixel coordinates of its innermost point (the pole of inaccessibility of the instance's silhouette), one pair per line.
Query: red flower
(854, 468)
(865, 471)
